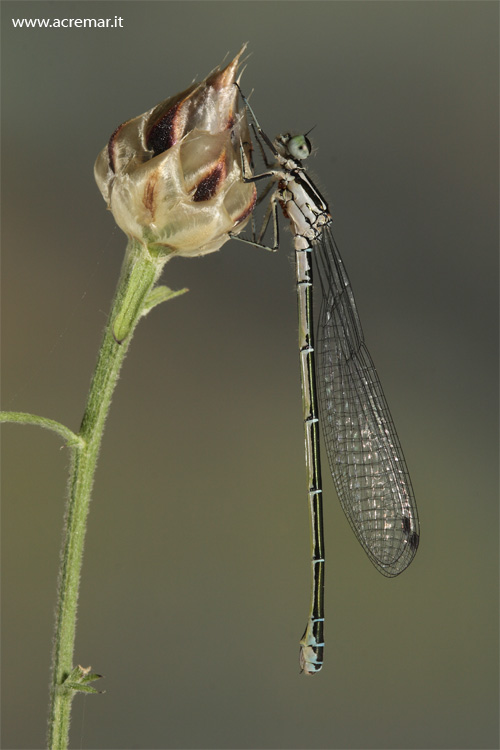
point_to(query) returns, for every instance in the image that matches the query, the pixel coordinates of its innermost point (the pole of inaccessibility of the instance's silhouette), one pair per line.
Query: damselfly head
(297, 146)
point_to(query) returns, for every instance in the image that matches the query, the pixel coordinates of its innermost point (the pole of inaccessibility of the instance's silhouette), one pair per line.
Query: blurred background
(195, 586)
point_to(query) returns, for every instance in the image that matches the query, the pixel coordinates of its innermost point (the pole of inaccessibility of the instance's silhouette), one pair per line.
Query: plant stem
(139, 273)
(21, 417)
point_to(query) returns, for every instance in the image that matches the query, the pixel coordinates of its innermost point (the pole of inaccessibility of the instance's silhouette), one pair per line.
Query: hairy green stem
(139, 273)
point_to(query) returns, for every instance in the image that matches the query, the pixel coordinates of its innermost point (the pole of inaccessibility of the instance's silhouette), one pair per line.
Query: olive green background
(195, 585)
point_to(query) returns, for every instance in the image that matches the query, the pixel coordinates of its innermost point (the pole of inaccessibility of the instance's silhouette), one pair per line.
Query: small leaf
(158, 295)
(78, 680)
(77, 687)
(91, 677)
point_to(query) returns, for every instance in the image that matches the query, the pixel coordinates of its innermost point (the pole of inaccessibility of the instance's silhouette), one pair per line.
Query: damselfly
(364, 452)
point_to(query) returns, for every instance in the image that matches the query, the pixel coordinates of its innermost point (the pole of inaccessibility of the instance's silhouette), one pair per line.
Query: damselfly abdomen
(364, 452)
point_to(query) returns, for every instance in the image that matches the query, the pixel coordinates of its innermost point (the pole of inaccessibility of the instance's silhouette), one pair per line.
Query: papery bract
(172, 177)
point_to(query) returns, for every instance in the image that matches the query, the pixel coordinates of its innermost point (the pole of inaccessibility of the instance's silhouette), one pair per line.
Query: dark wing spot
(406, 525)
(414, 540)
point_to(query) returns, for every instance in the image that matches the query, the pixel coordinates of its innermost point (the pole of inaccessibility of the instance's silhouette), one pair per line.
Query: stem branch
(21, 417)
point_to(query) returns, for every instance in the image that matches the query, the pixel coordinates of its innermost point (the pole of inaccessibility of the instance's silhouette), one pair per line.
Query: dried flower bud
(172, 176)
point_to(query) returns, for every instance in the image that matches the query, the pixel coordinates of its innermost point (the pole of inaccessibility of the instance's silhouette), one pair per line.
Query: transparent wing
(364, 452)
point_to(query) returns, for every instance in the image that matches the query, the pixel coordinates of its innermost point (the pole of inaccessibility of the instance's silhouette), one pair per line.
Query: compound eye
(299, 147)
